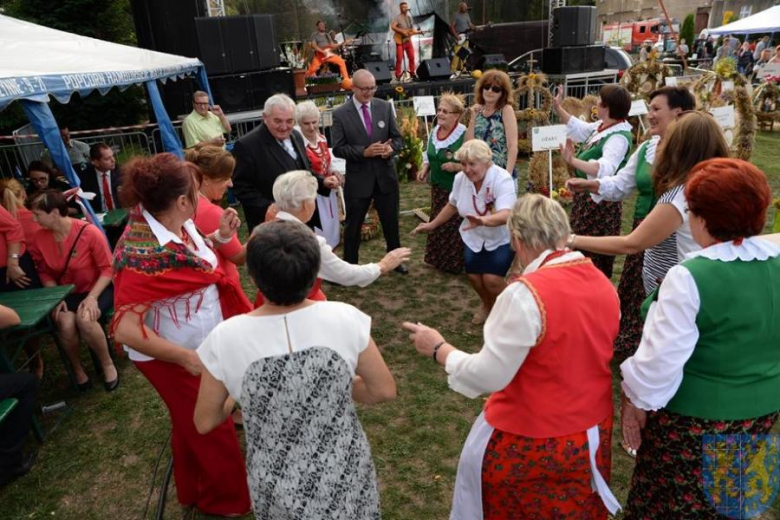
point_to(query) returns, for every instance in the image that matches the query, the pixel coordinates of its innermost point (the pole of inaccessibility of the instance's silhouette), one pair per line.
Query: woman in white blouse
(442, 249)
(545, 358)
(296, 367)
(604, 149)
(664, 235)
(666, 104)
(295, 194)
(483, 194)
(707, 372)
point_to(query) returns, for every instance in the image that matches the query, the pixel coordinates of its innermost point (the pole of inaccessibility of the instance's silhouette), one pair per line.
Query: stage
(463, 85)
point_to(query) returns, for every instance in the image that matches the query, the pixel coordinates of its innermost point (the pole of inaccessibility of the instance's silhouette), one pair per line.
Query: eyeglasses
(200, 104)
(443, 111)
(365, 90)
(494, 88)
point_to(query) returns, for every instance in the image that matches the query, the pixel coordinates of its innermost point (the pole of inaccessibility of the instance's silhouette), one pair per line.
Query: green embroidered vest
(594, 153)
(439, 177)
(734, 372)
(646, 200)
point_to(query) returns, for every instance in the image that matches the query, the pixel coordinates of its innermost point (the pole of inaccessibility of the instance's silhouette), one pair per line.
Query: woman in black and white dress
(296, 367)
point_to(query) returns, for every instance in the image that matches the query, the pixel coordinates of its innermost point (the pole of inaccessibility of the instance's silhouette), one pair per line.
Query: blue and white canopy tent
(767, 21)
(37, 62)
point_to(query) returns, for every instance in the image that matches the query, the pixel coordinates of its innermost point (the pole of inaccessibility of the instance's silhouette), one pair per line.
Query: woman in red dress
(171, 291)
(69, 251)
(216, 170)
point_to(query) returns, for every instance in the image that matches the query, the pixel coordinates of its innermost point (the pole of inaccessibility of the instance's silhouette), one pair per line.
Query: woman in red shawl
(170, 291)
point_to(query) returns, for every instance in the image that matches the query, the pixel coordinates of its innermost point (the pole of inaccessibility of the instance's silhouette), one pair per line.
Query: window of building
(745, 11)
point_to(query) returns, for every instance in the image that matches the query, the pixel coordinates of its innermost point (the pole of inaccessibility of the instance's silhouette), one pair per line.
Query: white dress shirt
(614, 150)
(620, 185)
(288, 147)
(498, 187)
(334, 269)
(187, 333)
(511, 330)
(652, 376)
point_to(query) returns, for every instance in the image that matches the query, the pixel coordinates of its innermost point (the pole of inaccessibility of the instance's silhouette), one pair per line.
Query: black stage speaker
(231, 44)
(380, 70)
(267, 83)
(437, 68)
(574, 25)
(570, 60)
(168, 25)
(492, 61)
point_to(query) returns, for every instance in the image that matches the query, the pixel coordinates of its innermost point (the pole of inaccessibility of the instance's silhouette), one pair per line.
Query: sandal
(480, 316)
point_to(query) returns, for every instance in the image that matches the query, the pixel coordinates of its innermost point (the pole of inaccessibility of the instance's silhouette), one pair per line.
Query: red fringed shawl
(150, 276)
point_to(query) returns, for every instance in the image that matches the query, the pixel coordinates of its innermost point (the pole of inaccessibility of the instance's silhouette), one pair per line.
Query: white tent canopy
(767, 21)
(38, 61)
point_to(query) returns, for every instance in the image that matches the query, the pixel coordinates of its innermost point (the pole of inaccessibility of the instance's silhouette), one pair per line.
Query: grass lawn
(99, 462)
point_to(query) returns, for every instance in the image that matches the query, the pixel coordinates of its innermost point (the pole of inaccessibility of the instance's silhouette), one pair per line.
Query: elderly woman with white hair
(545, 360)
(296, 194)
(308, 117)
(483, 194)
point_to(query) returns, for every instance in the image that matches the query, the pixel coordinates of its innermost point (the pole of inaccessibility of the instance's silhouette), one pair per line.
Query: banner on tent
(61, 86)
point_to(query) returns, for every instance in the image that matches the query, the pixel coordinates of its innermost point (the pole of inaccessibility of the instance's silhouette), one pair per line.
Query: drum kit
(354, 53)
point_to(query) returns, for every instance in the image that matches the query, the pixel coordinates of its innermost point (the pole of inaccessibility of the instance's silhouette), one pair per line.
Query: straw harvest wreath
(710, 94)
(532, 87)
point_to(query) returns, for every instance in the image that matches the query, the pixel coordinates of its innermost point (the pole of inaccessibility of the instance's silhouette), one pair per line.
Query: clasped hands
(228, 224)
(383, 150)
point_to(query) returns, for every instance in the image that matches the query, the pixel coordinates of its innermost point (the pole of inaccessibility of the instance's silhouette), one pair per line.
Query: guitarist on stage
(460, 27)
(403, 27)
(324, 52)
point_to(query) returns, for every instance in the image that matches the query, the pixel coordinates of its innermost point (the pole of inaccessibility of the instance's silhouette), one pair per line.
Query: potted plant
(294, 54)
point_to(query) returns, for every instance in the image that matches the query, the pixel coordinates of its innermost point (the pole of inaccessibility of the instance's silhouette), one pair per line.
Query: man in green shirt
(204, 125)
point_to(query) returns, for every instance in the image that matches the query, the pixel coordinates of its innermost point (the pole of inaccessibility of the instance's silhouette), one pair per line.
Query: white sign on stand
(545, 138)
(327, 118)
(548, 138)
(726, 86)
(725, 116)
(424, 106)
(638, 108)
(671, 81)
(770, 69)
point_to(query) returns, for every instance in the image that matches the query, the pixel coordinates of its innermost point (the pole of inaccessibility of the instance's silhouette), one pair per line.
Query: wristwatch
(14, 256)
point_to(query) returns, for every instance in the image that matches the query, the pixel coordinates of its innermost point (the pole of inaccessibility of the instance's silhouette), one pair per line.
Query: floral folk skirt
(668, 476)
(444, 247)
(596, 219)
(631, 292)
(549, 478)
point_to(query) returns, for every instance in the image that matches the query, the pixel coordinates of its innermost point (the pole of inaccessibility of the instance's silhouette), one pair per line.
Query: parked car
(614, 57)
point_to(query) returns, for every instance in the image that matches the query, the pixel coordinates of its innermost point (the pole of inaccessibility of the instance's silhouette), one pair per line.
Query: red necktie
(107, 193)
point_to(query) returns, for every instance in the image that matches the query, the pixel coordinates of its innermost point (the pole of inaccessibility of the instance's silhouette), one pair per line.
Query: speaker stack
(240, 53)
(573, 38)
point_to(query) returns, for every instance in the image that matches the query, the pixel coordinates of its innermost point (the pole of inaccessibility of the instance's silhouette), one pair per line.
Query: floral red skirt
(444, 247)
(596, 219)
(631, 292)
(549, 478)
(668, 479)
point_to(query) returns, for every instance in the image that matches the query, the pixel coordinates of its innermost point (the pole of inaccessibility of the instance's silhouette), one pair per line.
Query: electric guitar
(329, 51)
(405, 34)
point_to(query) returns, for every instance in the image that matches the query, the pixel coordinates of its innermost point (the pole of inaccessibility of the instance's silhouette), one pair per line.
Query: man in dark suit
(366, 135)
(264, 154)
(102, 178)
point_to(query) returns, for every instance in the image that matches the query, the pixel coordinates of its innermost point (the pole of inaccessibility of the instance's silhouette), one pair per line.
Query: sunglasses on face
(494, 88)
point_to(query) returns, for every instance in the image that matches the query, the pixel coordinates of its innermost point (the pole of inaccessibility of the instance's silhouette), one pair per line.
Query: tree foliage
(109, 20)
(688, 31)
